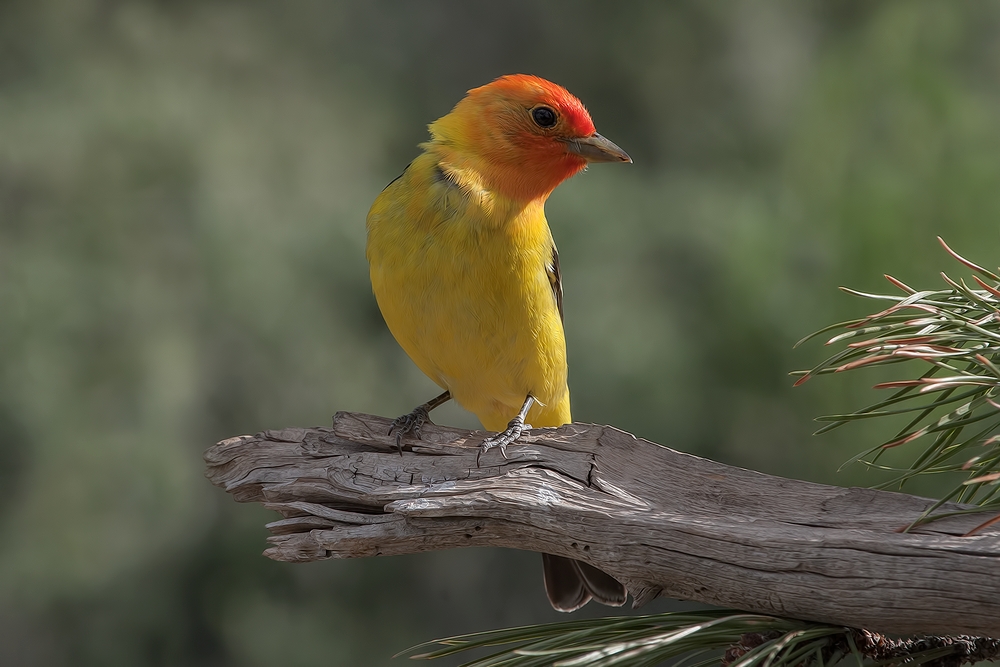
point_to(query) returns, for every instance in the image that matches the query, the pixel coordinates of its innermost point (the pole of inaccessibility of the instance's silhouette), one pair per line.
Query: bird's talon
(409, 424)
(514, 431)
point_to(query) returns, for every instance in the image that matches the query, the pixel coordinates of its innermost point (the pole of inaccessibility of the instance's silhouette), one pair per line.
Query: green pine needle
(954, 334)
(639, 640)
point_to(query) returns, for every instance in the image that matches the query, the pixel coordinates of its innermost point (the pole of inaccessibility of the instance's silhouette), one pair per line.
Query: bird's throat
(516, 183)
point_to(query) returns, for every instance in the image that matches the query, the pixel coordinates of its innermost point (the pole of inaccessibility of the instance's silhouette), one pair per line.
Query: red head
(524, 135)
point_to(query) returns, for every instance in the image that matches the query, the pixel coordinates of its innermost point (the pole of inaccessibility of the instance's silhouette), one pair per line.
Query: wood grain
(660, 521)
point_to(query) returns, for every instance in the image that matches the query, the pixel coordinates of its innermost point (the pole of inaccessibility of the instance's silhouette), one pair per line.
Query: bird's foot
(515, 428)
(409, 424)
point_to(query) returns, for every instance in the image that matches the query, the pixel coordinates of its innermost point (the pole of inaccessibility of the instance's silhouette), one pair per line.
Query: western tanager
(466, 273)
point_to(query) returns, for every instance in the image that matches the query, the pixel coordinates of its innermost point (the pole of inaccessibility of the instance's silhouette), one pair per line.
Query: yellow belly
(469, 299)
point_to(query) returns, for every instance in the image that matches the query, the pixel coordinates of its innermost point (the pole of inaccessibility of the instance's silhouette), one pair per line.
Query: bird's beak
(596, 148)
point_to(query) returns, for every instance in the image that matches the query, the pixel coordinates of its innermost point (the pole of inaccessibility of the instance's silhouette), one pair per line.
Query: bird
(466, 273)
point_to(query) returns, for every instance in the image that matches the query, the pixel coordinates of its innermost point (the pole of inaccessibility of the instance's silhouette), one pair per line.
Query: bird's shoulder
(422, 195)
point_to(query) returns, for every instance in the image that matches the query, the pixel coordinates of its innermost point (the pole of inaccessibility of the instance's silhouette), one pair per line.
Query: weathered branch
(660, 521)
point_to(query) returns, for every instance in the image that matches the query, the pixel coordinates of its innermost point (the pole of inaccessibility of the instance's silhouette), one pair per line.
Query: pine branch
(701, 639)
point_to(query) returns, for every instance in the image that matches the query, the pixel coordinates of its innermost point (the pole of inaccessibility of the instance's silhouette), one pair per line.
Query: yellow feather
(459, 273)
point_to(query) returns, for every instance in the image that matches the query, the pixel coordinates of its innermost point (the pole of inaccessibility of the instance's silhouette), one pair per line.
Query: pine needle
(957, 332)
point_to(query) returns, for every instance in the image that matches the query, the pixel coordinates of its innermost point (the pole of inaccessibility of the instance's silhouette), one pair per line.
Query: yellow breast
(460, 277)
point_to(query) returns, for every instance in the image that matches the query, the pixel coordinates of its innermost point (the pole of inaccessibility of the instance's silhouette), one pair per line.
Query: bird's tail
(570, 584)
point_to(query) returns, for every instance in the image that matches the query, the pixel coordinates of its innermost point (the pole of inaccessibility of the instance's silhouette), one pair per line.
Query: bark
(660, 521)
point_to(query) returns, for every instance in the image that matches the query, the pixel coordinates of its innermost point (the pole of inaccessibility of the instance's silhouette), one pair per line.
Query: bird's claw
(515, 428)
(409, 424)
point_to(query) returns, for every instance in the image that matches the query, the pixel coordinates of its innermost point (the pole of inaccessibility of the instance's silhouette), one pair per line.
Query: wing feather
(555, 280)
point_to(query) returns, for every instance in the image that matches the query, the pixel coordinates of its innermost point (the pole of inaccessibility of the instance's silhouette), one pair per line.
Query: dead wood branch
(660, 521)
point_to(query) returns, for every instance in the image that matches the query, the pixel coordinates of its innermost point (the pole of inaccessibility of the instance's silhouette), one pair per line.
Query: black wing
(555, 280)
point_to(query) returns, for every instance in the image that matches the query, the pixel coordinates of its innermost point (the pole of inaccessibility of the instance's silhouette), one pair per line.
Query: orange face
(525, 134)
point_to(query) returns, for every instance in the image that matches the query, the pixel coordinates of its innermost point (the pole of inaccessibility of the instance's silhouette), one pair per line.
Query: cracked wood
(660, 521)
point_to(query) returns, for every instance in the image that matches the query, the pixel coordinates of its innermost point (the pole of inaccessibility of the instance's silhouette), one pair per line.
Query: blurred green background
(183, 187)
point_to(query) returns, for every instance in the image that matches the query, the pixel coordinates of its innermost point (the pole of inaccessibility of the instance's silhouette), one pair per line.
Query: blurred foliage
(183, 188)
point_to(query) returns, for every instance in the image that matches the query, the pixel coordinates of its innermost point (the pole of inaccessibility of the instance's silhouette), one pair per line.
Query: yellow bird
(466, 273)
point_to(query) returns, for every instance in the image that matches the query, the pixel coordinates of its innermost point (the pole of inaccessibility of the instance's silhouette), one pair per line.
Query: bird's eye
(543, 116)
